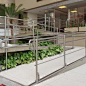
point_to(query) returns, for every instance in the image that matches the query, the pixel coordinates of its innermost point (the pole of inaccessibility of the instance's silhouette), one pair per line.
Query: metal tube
(57, 41)
(66, 24)
(38, 18)
(33, 37)
(57, 30)
(5, 42)
(54, 25)
(6, 54)
(54, 30)
(37, 74)
(78, 19)
(2, 16)
(45, 22)
(85, 44)
(72, 40)
(64, 52)
(33, 29)
(17, 19)
(59, 25)
(37, 33)
(49, 24)
(68, 14)
(5, 28)
(17, 25)
(14, 34)
(8, 33)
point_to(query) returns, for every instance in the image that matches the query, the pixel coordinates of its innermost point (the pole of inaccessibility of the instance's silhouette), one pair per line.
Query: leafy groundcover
(26, 57)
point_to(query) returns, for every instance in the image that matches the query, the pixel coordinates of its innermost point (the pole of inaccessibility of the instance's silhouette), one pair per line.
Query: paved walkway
(25, 74)
(75, 77)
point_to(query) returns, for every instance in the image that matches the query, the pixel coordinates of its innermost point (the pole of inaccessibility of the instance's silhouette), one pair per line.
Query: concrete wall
(32, 16)
(7, 1)
(28, 4)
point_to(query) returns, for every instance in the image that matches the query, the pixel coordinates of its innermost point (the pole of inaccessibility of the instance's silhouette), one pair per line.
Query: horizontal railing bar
(61, 56)
(75, 40)
(40, 18)
(17, 19)
(16, 25)
(2, 23)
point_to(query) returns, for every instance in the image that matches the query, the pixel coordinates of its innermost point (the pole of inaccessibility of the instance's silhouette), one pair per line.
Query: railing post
(5, 31)
(64, 51)
(85, 43)
(33, 29)
(6, 41)
(14, 34)
(49, 24)
(54, 25)
(72, 40)
(8, 32)
(45, 21)
(59, 25)
(57, 39)
(6, 52)
(33, 36)
(37, 74)
(66, 24)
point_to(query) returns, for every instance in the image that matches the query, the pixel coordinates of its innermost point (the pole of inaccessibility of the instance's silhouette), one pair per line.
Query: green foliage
(45, 43)
(37, 33)
(38, 27)
(27, 57)
(17, 59)
(12, 10)
(20, 42)
(2, 12)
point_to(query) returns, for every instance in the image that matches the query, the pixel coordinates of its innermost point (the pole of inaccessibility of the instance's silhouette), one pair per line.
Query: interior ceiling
(70, 4)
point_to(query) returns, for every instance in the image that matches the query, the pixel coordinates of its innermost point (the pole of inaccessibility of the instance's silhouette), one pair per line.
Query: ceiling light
(46, 11)
(74, 11)
(61, 7)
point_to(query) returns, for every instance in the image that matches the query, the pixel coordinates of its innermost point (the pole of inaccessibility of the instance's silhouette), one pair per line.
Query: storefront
(77, 20)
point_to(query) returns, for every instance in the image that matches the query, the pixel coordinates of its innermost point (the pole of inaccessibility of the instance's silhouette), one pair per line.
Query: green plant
(27, 57)
(12, 10)
(20, 42)
(82, 25)
(45, 43)
(37, 33)
(38, 27)
(2, 12)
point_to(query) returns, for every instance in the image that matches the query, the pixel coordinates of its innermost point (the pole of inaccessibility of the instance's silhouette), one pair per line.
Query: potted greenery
(12, 11)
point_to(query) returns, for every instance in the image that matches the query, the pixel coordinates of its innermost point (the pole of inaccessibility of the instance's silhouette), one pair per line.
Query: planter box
(73, 29)
(9, 45)
(8, 31)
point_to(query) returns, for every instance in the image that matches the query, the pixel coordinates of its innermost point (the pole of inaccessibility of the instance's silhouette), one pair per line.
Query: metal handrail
(36, 39)
(64, 44)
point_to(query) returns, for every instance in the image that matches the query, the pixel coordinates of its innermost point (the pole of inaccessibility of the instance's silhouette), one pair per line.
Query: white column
(68, 20)
(68, 14)
(45, 21)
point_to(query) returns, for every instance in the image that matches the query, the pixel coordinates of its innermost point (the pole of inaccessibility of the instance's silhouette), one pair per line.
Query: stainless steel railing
(64, 37)
(36, 39)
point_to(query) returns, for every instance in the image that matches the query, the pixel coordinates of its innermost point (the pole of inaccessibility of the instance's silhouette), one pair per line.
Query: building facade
(30, 4)
(6, 2)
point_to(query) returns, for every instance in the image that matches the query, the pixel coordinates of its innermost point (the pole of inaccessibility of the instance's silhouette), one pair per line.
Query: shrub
(27, 57)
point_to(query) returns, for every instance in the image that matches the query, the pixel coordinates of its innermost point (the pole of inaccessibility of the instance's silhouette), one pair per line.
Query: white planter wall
(8, 32)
